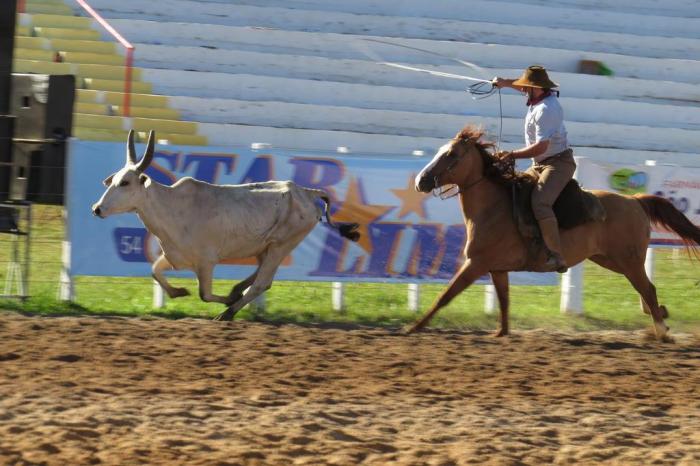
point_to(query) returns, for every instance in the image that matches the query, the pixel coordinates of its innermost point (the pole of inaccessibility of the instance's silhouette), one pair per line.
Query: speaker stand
(17, 276)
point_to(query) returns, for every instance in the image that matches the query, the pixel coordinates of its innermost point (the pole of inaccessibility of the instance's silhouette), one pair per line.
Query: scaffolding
(16, 221)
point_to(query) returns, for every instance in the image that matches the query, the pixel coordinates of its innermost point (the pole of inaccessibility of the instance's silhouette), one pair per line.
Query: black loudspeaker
(7, 124)
(43, 105)
(7, 46)
(8, 216)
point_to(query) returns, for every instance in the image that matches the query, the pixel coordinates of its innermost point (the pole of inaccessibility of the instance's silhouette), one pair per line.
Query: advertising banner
(680, 185)
(406, 236)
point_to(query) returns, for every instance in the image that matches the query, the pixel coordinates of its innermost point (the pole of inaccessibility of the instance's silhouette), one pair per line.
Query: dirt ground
(121, 391)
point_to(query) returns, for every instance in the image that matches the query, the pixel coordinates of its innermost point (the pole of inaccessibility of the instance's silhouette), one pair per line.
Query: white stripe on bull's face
(126, 188)
(425, 180)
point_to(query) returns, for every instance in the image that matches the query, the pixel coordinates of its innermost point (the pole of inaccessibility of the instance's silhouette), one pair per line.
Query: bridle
(451, 190)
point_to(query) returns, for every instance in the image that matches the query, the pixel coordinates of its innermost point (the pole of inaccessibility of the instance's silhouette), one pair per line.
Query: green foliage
(609, 300)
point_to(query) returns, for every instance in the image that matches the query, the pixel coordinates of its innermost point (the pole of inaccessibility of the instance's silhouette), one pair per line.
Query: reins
(453, 189)
(451, 192)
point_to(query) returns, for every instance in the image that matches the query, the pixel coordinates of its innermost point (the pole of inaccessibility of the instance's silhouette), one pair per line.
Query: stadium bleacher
(305, 74)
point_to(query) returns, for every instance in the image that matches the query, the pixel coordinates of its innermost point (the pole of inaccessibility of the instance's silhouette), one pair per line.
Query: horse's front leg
(500, 282)
(467, 274)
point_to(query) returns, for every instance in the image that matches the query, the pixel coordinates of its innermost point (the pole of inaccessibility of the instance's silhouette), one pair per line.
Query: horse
(495, 246)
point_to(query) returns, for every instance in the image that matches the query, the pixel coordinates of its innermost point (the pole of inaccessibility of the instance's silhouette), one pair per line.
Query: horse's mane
(494, 168)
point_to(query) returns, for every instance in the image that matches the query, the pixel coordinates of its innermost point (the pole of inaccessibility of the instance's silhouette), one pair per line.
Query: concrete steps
(236, 91)
(225, 65)
(59, 43)
(325, 142)
(333, 14)
(304, 73)
(219, 40)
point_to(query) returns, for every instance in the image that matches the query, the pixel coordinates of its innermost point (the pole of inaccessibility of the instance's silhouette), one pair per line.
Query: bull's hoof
(178, 293)
(414, 328)
(226, 315)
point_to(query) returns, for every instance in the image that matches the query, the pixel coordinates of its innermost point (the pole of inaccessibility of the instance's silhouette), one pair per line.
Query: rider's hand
(505, 155)
(498, 82)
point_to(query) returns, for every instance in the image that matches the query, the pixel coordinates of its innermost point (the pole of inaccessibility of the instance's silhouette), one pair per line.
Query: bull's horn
(148, 156)
(131, 150)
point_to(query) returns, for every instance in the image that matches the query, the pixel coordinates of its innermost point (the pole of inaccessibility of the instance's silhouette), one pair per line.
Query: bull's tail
(662, 212)
(346, 230)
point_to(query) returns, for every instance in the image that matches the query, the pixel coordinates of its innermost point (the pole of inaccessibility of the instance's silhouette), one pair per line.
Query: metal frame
(18, 266)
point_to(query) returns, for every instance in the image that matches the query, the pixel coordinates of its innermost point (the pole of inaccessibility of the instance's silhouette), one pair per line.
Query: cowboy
(552, 158)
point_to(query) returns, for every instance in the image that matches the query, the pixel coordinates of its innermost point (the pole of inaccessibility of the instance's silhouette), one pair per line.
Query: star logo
(412, 201)
(356, 210)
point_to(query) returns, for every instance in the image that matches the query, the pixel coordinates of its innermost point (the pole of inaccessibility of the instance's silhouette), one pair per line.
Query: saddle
(574, 206)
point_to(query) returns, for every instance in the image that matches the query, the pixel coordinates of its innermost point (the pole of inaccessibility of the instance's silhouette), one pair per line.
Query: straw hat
(535, 76)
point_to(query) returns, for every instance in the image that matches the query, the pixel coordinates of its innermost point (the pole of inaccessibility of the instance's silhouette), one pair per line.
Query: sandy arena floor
(119, 391)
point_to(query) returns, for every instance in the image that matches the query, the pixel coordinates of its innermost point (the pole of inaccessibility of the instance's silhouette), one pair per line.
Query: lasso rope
(481, 89)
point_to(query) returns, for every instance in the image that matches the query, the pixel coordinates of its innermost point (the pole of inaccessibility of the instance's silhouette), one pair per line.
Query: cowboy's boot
(550, 235)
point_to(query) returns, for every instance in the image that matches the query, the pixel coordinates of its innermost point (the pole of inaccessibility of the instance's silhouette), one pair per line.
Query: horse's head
(455, 163)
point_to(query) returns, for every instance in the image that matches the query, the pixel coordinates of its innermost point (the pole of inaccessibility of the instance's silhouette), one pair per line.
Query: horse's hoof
(501, 333)
(661, 331)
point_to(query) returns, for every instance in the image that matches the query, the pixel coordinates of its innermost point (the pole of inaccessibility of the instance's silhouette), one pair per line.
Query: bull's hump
(278, 186)
(186, 181)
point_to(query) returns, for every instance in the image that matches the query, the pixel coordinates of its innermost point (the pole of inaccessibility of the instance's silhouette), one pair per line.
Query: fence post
(258, 305)
(66, 288)
(649, 264)
(413, 297)
(338, 296)
(158, 296)
(572, 290)
(649, 260)
(571, 299)
(489, 298)
(649, 269)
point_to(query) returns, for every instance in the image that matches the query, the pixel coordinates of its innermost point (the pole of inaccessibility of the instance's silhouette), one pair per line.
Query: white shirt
(545, 121)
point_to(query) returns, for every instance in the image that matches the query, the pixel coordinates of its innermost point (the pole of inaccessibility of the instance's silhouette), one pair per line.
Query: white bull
(200, 224)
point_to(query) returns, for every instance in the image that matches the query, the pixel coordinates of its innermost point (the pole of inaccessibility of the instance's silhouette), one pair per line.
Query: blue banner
(406, 236)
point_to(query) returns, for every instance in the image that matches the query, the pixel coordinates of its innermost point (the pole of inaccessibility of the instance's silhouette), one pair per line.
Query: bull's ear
(108, 181)
(143, 178)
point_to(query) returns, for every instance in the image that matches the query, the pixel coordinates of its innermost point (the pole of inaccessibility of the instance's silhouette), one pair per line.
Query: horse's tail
(662, 212)
(346, 230)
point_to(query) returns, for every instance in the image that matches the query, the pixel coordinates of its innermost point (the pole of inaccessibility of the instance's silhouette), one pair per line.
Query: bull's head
(125, 188)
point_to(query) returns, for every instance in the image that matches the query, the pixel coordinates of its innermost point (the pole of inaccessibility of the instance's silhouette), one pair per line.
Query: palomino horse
(495, 246)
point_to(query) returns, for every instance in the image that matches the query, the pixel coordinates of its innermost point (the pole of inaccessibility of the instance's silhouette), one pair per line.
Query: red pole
(129, 53)
(127, 82)
(20, 6)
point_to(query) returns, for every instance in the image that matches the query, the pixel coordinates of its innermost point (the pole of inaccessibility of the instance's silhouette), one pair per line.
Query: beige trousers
(553, 173)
